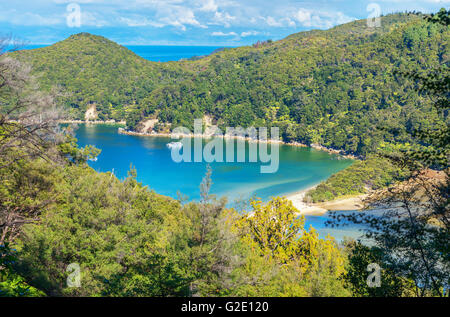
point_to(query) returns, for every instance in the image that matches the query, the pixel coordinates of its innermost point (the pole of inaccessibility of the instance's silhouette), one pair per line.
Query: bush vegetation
(361, 177)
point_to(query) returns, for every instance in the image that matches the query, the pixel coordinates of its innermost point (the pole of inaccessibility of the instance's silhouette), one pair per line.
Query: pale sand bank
(319, 209)
(351, 203)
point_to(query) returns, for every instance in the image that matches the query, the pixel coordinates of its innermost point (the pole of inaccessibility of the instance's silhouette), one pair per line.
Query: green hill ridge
(336, 88)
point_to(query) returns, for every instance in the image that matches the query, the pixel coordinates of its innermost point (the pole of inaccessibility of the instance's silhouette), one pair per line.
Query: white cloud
(233, 20)
(272, 22)
(138, 21)
(180, 17)
(282, 22)
(92, 19)
(409, 1)
(30, 18)
(303, 16)
(164, 14)
(223, 18)
(249, 33)
(223, 34)
(209, 6)
(320, 19)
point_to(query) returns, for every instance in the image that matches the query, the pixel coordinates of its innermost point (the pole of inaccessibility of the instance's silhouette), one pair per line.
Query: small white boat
(175, 145)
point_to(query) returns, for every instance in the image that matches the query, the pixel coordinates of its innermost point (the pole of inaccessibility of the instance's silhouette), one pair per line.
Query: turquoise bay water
(299, 169)
(170, 53)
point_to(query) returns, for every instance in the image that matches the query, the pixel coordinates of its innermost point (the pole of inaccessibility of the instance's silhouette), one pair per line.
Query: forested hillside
(337, 88)
(92, 70)
(362, 177)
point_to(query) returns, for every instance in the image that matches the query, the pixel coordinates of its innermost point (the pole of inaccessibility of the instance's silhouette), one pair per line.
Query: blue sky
(186, 22)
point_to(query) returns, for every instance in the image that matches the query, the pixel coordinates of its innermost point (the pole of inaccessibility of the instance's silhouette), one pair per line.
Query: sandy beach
(319, 209)
(350, 203)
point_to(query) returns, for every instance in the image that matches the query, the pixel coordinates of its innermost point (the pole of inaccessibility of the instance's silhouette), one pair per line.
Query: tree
(32, 147)
(336, 96)
(277, 231)
(360, 257)
(283, 258)
(28, 130)
(119, 233)
(11, 284)
(210, 242)
(411, 234)
(28, 117)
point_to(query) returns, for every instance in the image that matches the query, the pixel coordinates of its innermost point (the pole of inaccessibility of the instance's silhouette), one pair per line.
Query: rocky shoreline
(111, 122)
(208, 136)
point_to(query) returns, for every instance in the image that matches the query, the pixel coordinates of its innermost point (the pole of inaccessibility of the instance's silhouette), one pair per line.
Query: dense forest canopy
(337, 88)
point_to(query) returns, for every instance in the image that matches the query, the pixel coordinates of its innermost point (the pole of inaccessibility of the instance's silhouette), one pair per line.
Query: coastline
(307, 209)
(108, 122)
(208, 136)
(320, 209)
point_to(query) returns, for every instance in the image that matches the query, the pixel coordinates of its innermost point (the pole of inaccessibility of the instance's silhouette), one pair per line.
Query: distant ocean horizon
(161, 53)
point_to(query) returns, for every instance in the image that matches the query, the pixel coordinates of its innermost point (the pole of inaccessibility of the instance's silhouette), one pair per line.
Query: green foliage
(11, 284)
(117, 232)
(360, 256)
(442, 17)
(14, 285)
(371, 174)
(127, 240)
(282, 258)
(130, 241)
(93, 71)
(77, 155)
(277, 231)
(410, 233)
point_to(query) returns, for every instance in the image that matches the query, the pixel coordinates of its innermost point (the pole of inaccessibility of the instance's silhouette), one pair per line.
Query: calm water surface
(299, 168)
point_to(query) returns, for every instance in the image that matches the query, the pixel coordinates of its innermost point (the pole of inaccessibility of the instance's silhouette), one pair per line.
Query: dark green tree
(411, 231)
